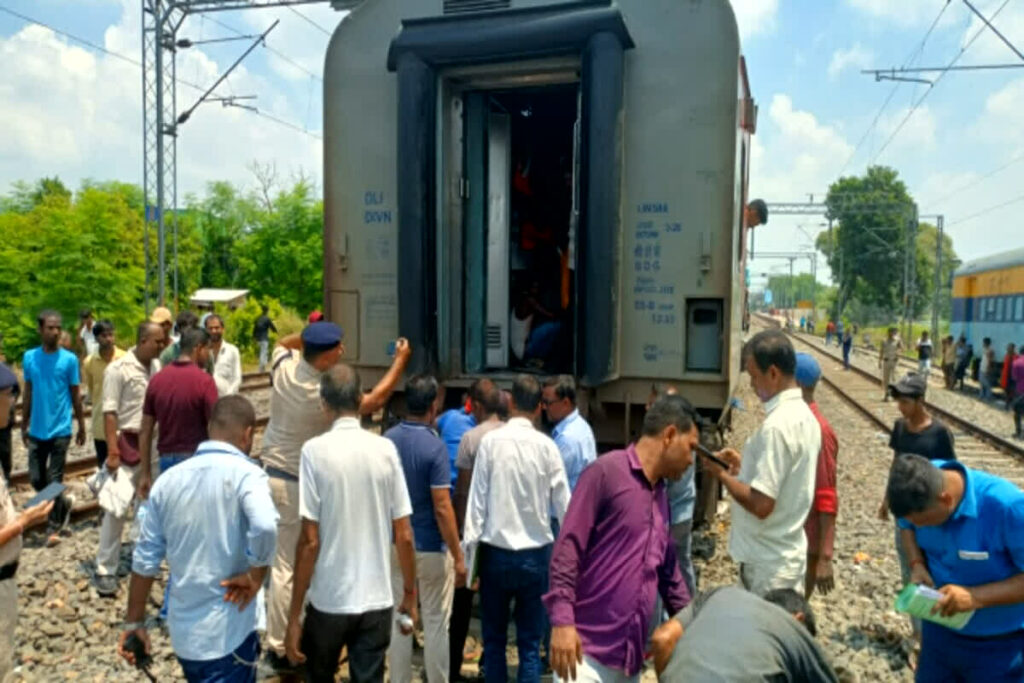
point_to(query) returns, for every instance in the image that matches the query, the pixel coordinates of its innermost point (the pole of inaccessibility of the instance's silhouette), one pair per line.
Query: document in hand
(116, 493)
(918, 601)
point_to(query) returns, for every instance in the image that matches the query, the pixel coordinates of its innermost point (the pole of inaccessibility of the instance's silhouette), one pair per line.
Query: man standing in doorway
(180, 399)
(424, 460)
(296, 416)
(518, 483)
(820, 527)
(888, 356)
(614, 555)
(124, 392)
(261, 330)
(225, 359)
(353, 502)
(51, 393)
(572, 434)
(774, 489)
(93, 369)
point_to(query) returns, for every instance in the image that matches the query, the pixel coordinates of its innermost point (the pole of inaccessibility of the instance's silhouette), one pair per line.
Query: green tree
(866, 248)
(927, 235)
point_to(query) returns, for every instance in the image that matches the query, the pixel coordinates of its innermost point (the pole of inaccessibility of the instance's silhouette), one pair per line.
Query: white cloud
(988, 48)
(755, 16)
(856, 56)
(83, 119)
(917, 134)
(902, 12)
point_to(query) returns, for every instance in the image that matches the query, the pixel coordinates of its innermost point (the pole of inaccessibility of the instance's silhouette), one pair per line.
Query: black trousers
(101, 452)
(46, 464)
(458, 629)
(366, 636)
(5, 450)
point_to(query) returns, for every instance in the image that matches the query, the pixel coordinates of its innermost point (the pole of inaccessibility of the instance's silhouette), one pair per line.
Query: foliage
(69, 251)
(238, 323)
(803, 287)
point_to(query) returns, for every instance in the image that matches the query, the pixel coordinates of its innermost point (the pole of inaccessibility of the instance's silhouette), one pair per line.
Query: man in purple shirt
(1017, 375)
(614, 552)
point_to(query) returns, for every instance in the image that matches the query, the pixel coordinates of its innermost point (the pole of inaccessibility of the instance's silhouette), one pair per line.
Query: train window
(999, 310)
(1020, 309)
(990, 309)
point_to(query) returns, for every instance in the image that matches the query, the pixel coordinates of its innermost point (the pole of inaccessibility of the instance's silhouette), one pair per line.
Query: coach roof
(1006, 259)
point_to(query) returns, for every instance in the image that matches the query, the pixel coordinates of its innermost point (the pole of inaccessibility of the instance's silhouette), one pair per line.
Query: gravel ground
(68, 632)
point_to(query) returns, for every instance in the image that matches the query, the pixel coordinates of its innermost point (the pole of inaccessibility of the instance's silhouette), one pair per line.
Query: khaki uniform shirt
(8, 514)
(891, 349)
(295, 412)
(124, 390)
(93, 369)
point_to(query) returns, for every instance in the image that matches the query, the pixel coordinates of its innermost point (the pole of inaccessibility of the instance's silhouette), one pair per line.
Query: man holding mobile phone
(12, 526)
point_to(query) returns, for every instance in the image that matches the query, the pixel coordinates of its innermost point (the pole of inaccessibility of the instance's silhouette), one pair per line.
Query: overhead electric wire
(942, 74)
(963, 188)
(309, 21)
(979, 214)
(282, 56)
(915, 53)
(134, 62)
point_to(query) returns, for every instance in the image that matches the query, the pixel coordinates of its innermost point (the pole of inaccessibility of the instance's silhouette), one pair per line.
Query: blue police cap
(808, 372)
(322, 334)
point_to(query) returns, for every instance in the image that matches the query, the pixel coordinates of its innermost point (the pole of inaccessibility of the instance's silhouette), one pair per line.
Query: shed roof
(1006, 259)
(218, 296)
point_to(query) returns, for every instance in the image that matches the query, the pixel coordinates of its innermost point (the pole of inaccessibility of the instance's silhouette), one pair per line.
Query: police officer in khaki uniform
(888, 356)
(12, 525)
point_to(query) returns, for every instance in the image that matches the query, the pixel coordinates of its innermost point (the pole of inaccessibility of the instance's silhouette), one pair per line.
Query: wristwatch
(132, 625)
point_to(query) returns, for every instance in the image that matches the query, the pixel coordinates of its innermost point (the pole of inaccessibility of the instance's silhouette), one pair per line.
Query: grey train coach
(521, 185)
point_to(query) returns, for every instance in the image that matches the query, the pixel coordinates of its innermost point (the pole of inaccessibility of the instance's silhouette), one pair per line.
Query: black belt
(280, 474)
(7, 571)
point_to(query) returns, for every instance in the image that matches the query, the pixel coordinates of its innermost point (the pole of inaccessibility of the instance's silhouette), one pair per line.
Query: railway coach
(988, 301)
(526, 185)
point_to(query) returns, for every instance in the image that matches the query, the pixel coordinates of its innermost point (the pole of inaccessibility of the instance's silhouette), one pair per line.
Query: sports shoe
(106, 585)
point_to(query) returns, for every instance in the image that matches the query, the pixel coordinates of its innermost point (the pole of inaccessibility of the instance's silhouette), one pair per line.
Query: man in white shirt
(352, 498)
(772, 482)
(518, 482)
(224, 357)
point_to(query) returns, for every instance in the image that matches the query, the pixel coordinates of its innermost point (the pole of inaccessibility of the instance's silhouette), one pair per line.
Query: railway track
(976, 446)
(78, 469)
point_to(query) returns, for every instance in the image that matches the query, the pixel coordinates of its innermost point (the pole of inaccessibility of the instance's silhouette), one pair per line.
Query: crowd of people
(335, 538)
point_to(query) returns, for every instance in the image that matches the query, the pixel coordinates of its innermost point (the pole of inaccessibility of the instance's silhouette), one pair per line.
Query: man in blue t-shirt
(963, 532)
(51, 391)
(425, 463)
(453, 425)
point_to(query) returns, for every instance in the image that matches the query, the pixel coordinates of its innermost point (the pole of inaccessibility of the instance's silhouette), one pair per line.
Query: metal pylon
(160, 22)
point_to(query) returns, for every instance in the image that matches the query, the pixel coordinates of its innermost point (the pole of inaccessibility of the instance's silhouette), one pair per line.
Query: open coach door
(592, 35)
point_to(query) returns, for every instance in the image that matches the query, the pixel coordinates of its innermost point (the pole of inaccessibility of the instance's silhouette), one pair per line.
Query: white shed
(206, 298)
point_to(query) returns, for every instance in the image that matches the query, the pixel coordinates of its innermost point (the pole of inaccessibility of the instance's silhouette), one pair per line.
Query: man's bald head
(233, 420)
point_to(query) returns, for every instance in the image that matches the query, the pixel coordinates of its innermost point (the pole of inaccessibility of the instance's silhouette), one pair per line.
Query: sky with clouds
(75, 111)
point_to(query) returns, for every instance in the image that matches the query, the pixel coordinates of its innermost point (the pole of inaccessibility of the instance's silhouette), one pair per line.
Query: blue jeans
(847, 346)
(543, 339)
(237, 667)
(948, 657)
(167, 462)
(507, 575)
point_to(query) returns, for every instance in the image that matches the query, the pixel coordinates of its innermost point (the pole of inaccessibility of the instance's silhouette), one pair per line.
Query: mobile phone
(49, 493)
(712, 457)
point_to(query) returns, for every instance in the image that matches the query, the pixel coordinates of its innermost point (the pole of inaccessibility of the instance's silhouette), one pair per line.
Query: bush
(238, 324)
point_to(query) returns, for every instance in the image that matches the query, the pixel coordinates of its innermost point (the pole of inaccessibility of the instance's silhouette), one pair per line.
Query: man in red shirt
(179, 398)
(820, 526)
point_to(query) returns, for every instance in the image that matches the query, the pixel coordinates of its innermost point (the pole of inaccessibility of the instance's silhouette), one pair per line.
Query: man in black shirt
(730, 634)
(261, 333)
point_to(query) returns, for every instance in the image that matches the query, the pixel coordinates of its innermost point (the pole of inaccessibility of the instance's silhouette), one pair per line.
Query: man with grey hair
(571, 433)
(352, 495)
(963, 532)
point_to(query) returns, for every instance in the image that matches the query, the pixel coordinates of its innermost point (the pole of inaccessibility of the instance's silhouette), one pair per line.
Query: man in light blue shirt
(963, 532)
(572, 434)
(212, 517)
